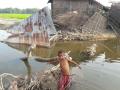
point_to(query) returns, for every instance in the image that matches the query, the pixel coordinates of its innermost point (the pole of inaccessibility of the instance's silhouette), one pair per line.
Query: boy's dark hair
(60, 51)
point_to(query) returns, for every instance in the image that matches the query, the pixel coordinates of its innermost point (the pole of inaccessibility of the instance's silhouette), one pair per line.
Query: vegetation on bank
(18, 11)
(14, 16)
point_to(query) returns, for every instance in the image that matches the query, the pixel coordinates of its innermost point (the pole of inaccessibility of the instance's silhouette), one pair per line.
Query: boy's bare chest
(64, 63)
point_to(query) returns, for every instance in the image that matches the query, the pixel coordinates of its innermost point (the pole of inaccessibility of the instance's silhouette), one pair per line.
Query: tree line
(19, 11)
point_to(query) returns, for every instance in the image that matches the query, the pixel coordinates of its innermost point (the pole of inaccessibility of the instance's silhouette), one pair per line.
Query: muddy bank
(8, 23)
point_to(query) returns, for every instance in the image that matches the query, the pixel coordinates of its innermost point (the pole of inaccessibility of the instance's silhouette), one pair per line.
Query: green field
(14, 16)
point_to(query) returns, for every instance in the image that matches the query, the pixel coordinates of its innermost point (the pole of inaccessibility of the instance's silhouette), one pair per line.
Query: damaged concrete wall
(114, 17)
(37, 29)
(61, 7)
(81, 6)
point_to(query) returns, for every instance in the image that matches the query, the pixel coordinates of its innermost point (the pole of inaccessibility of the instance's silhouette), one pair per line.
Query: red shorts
(64, 82)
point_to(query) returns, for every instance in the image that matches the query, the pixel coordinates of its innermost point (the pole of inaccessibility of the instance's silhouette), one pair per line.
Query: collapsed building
(79, 19)
(75, 19)
(37, 29)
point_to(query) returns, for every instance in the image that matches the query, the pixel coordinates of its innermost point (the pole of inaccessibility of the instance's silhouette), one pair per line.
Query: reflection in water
(110, 47)
(29, 50)
(29, 69)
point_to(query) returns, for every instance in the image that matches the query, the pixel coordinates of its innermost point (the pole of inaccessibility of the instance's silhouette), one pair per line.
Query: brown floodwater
(101, 72)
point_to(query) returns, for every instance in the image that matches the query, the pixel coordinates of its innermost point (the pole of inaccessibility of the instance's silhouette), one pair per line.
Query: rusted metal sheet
(37, 29)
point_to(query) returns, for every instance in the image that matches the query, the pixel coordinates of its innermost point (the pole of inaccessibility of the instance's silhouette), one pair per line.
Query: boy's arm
(70, 60)
(53, 60)
(40, 59)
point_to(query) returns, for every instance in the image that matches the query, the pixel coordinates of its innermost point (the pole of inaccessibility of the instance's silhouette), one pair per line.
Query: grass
(14, 16)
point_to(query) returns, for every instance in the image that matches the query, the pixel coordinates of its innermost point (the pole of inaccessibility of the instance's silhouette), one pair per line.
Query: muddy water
(101, 72)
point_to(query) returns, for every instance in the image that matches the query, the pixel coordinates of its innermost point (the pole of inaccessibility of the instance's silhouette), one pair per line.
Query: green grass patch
(14, 16)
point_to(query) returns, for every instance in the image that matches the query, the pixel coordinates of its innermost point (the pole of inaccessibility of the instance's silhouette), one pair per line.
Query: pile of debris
(68, 36)
(46, 80)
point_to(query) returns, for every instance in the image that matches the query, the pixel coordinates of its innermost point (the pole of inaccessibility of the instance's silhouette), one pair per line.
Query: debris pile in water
(40, 81)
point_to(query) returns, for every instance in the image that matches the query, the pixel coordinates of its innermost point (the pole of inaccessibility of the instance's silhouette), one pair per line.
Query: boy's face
(61, 56)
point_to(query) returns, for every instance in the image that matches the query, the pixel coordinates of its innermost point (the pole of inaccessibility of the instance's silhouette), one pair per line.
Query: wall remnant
(37, 29)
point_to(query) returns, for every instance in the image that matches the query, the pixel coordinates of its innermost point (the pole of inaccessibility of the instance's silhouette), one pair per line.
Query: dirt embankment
(7, 23)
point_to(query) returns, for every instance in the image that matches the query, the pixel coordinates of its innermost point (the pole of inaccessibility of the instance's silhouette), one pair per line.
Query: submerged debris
(40, 81)
(88, 52)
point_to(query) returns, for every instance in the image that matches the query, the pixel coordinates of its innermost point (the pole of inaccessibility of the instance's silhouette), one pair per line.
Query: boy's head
(61, 54)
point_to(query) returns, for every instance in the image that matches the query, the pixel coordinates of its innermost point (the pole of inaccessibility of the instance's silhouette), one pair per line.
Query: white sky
(23, 3)
(35, 3)
(107, 2)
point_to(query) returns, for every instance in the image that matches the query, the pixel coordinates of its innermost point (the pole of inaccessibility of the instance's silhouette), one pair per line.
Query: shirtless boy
(64, 60)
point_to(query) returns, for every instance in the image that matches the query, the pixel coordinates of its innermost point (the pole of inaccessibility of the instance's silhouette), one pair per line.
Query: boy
(64, 60)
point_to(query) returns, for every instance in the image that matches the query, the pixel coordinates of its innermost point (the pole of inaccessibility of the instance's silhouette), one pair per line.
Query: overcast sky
(35, 3)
